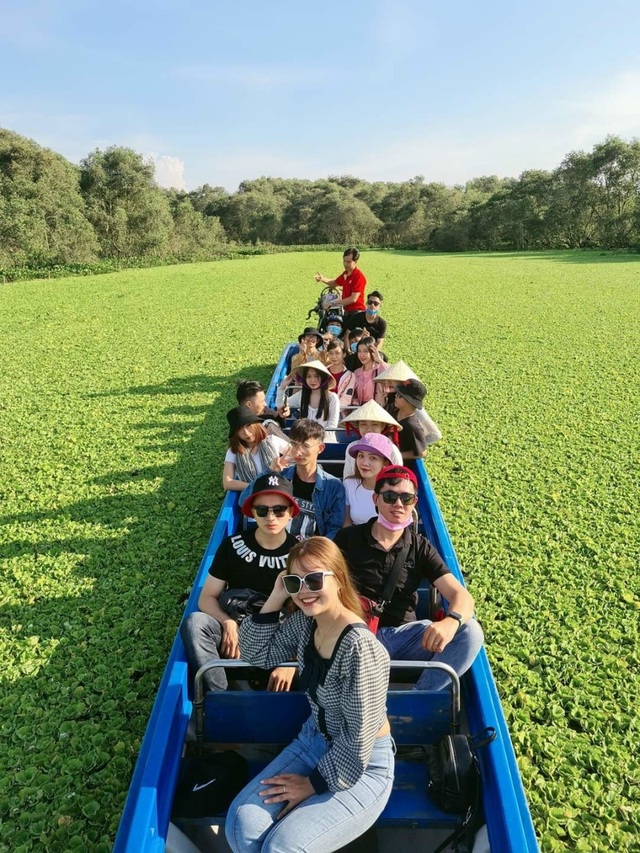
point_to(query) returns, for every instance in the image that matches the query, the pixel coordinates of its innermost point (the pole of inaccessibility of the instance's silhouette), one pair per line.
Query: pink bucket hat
(373, 442)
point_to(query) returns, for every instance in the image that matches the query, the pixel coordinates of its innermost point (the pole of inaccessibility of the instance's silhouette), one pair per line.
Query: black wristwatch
(453, 615)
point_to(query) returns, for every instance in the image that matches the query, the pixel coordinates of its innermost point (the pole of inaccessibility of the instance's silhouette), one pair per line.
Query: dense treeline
(109, 208)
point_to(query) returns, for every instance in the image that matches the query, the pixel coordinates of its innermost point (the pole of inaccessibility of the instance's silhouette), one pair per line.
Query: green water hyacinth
(113, 393)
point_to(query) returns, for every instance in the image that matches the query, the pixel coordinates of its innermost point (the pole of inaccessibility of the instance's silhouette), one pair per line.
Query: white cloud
(169, 171)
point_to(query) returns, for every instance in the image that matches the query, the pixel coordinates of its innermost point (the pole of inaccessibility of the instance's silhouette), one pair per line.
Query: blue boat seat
(417, 717)
(242, 716)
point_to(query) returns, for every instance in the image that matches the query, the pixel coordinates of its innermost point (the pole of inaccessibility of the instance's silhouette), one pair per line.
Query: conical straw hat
(319, 367)
(371, 411)
(397, 372)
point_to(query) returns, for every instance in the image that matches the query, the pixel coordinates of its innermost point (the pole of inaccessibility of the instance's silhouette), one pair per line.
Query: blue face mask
(354, 346)
(371, 312)
(334, 330)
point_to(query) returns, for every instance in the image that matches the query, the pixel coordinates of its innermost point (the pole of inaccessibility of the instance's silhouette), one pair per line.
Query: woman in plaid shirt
(333, 781)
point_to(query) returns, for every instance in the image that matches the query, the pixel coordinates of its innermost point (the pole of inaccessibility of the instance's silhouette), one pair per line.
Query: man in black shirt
(370, 320)
(250, 394)
(250, 560)
(371, 550)
(408, 399)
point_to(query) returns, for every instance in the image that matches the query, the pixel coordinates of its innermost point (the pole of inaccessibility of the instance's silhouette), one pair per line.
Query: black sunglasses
(314, 581)
(263, 511)
(372, 302)
(392, 497)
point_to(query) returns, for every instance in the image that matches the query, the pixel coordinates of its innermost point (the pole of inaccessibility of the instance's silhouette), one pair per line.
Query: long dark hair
(305, 397)
(323, 408)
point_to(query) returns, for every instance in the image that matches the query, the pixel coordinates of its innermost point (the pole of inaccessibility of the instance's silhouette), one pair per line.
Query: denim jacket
(329, 502)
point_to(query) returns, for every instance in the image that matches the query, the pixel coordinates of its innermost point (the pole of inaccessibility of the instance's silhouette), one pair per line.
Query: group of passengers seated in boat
(286, 585)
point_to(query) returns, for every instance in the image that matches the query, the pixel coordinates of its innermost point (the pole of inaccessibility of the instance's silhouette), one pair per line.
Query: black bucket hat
(310, 330)
(239, 417)
(412, 390)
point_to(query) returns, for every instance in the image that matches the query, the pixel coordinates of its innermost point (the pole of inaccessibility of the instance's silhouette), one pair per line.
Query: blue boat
(254, 718)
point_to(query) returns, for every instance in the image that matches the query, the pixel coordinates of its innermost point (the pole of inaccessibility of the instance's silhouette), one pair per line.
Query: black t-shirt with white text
(244, 564)
(304, 525)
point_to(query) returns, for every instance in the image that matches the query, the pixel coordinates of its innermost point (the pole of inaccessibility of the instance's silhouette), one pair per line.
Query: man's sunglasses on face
(373, 302)
(263, 511)
(405, 497)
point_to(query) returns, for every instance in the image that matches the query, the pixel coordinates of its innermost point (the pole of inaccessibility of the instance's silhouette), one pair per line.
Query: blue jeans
(202, 636)
(321, 823)
(405, 643)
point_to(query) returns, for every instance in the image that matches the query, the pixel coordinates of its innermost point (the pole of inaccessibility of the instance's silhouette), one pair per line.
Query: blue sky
(218, 92)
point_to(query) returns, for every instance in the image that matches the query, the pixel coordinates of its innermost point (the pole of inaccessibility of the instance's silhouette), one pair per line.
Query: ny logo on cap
(273, 481)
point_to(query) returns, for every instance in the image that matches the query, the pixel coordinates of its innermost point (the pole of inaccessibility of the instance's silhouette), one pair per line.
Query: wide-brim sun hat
(329, 383)
(397, 372)
(371, 411)
(310, 330)
(271, 484)
(373, 442)
(241, 416)
(411, 390)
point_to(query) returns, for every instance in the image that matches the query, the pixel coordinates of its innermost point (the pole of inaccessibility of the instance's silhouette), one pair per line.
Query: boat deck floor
(210, 839)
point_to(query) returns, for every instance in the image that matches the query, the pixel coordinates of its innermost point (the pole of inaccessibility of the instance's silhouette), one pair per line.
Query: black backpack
(454, 783)
(208, 785)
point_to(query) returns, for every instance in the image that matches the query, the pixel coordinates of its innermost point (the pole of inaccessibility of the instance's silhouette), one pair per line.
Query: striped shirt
(347, 693)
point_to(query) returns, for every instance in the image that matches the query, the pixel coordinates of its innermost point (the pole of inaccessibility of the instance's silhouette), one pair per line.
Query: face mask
(391, 525)
(371, 312)
(354, 346)
(334, 330)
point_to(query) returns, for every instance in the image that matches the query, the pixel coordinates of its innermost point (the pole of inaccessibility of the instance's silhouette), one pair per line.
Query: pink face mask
(393, 525)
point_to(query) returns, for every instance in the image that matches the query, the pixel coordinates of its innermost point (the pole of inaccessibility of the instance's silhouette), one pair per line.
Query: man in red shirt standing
(352, 282)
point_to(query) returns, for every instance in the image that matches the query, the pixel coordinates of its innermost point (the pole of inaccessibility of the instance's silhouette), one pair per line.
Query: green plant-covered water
(113, 394)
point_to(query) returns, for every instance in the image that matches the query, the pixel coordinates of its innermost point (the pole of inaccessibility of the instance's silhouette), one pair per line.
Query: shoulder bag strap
(394, 574)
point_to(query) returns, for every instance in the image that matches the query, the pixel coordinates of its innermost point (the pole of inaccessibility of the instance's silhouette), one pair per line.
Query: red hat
(271, 484)
(397, 472)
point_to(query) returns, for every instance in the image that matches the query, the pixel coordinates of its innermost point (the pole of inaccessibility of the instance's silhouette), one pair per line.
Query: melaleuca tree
(194, 236)
(340, 217)
(42, 214)
(129, 212)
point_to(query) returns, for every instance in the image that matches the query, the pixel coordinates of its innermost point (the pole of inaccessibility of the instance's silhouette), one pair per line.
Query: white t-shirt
(278, 444)
(330, 423)
(359, 501)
